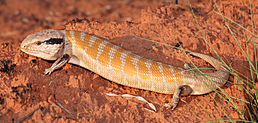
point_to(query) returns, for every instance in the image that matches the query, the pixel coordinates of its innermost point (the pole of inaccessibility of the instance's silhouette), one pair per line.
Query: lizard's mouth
(34, 53)
(42, 54)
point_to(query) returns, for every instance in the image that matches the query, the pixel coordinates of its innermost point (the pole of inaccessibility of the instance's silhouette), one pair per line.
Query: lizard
(122, 66)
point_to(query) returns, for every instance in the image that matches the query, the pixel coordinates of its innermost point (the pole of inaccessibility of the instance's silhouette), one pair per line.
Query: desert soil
(27, 95)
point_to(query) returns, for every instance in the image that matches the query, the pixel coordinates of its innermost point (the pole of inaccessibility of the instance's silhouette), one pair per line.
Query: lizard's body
(120, 65)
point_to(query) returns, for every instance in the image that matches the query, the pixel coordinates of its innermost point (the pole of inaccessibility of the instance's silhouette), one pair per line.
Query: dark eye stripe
(54, 41)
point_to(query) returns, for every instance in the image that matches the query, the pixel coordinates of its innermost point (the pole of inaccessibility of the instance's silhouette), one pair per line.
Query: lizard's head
(46, 44)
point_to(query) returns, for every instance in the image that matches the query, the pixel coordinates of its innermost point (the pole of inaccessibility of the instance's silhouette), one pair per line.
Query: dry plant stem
(27, 116)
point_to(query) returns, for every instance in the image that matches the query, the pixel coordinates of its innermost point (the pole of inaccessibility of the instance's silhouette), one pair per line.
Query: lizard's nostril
(23, 47)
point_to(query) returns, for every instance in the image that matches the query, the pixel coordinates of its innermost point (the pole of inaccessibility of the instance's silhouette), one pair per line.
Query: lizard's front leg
(57, 64)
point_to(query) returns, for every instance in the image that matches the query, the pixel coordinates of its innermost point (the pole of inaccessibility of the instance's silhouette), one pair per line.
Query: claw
(48, 71)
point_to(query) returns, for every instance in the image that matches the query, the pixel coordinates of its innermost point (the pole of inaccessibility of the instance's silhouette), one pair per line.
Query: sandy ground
(26, 94)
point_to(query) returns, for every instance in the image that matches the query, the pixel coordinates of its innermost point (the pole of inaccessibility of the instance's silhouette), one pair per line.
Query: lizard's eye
(38, 43)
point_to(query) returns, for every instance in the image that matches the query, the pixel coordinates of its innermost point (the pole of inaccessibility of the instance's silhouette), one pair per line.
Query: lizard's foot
(183, 90)
(57, 64)
(48, 71)
(187, 66)
(170, 105)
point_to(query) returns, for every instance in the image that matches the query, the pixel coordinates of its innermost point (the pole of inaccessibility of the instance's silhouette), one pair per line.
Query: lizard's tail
(221, 75)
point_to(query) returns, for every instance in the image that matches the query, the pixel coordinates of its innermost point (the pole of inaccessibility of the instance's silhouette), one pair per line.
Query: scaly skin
(120, 65)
